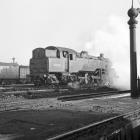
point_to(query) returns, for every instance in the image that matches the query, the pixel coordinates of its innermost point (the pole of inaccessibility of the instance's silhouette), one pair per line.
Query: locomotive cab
(59, 52)
(59, 59)
(52, 52)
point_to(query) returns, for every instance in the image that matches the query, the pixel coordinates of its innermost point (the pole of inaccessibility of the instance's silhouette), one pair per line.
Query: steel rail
(90, 95)
(32, 91)
(18, 85)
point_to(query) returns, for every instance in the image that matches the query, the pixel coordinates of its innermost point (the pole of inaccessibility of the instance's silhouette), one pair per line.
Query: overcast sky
(78, 24)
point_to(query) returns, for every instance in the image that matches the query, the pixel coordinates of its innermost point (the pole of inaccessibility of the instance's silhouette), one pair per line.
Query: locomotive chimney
(133, 13)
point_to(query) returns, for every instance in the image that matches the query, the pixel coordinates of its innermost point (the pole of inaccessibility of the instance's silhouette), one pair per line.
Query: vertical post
(67, 61)
(13, 59)
(138, 90)
(133, 13)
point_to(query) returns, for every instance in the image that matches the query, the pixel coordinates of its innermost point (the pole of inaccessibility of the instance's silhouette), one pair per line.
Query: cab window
(51, 53)
(65, 54)
(71, 56)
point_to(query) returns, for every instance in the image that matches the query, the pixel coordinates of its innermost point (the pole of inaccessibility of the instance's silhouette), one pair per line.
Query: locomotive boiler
(58, 65)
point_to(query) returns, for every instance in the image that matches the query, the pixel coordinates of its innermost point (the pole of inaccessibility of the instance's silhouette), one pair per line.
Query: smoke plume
(113, 41)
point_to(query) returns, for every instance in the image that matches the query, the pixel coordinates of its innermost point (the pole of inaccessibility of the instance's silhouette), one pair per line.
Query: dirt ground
(38, 119)
(41, 124)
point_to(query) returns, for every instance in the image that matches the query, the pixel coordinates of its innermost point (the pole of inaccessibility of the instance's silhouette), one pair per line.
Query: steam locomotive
(57, 65)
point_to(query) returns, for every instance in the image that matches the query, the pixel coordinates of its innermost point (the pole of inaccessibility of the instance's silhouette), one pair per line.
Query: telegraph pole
(133, 13)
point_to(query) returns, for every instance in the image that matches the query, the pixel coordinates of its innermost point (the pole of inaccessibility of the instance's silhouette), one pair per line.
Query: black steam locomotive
(57, 65)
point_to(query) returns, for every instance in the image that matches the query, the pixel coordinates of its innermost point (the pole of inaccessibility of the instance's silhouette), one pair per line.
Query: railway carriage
(13, 73)
(63, 65)
(24, 74)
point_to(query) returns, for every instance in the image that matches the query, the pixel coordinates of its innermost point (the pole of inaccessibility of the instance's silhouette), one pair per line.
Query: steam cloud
(113, 41)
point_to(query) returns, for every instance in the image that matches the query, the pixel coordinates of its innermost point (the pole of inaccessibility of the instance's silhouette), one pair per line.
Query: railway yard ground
(42, 118)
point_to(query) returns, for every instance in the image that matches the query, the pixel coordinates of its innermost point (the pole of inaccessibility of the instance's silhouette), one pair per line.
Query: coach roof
(8, 64)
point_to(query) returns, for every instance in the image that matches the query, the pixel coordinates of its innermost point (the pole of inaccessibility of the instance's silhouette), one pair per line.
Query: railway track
(61, 93)
(32, 91)
(91, 95)
(17, 87)
(105, 129)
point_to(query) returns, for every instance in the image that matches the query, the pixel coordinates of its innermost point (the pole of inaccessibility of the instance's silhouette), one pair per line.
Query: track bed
(45, 92)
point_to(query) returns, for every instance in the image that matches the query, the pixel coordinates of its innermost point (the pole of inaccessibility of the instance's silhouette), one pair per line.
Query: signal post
(133, 13)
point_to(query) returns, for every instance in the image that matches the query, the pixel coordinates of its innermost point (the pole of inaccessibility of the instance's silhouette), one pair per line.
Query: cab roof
(61, 49)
